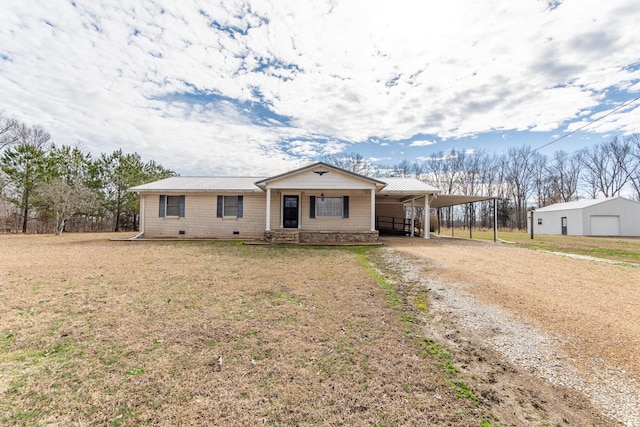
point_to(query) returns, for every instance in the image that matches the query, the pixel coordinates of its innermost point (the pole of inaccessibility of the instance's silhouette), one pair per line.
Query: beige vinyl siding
(395, 210)
(276, 207)
(308, 180)
(359, 217)
(200, 219)
(359, 211)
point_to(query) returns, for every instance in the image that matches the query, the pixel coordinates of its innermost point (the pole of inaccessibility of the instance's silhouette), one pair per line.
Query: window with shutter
(230, 206)
(173, 206)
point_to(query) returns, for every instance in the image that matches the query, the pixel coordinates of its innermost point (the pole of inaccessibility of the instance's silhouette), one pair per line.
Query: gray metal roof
(407, 186)
(395, 186)
(202, 184)
(577, 204)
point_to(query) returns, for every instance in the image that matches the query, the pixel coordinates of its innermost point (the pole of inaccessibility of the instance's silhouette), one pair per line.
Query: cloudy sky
(260, 87)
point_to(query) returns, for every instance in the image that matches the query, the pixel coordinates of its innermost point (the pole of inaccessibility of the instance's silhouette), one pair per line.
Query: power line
(589, 123)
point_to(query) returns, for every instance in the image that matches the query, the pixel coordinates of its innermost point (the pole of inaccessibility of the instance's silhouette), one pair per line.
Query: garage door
(605, 225)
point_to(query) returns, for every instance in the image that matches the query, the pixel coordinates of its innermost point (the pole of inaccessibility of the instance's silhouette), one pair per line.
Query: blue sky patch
(256, 112)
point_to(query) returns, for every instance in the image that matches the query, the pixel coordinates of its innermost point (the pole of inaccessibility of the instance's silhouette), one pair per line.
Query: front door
(564, 225)
(290, 212)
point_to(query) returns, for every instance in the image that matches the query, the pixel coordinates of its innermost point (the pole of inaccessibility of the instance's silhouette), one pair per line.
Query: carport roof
(446, 200)
(407, 186)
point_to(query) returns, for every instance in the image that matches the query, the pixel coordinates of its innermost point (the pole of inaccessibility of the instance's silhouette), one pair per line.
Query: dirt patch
(572, 322)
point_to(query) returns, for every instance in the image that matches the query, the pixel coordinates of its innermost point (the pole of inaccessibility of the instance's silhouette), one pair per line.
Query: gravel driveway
(572, 322)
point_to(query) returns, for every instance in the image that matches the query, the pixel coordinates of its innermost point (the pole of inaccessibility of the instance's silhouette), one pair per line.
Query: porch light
(322, 196)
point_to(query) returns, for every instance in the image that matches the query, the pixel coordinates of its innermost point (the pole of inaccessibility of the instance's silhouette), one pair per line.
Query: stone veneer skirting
(321, 237)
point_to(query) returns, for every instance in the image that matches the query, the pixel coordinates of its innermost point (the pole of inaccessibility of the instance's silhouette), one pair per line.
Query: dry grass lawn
(622, 249)
(99, 332)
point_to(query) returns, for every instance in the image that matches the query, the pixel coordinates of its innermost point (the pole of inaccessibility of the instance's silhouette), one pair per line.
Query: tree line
(45, 187)
(520, 178)
(49, 188)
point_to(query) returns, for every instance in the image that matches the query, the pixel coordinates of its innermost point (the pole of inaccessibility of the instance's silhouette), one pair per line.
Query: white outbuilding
(615, 216)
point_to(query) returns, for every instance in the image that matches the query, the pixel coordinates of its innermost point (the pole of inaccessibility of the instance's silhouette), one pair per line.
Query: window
(229, 207)
(171, 206)
(329, 206)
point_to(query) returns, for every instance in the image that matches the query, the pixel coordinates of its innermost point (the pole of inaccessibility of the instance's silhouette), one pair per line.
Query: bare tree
(444, 170)
(605, 167)
(488, 165)
(542, 183)
(62, 200)
(471, 178)
(352, 162)
(564, 173)
(406, 169)
(7, 130)
(434, 169)
(632, 167)
(474, 172)
(518, 173)
(36, 136)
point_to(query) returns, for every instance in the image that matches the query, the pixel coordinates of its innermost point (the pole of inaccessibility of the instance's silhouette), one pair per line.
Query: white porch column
(426, 217)
(413, 216)
(373, 209)
(268, 215)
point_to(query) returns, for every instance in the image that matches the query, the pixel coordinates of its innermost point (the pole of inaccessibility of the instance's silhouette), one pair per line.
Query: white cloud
(333, 73)
(421, 143)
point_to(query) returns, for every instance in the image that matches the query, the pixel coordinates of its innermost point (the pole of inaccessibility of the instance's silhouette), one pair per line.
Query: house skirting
(321, 237)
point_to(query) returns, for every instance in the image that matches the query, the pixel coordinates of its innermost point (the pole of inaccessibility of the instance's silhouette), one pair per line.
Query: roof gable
(320, 176)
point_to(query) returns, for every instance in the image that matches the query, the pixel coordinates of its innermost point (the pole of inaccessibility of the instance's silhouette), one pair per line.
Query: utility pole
(531, 210)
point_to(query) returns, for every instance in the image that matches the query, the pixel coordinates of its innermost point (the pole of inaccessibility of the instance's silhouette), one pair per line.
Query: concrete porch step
(282, 236)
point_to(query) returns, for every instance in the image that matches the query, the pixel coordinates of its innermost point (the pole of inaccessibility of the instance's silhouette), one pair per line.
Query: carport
(400, 194)
(412, 194)
(448, 200)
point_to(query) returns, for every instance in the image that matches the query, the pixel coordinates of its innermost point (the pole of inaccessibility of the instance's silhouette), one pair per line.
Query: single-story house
(614, 216)
(318, 203)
